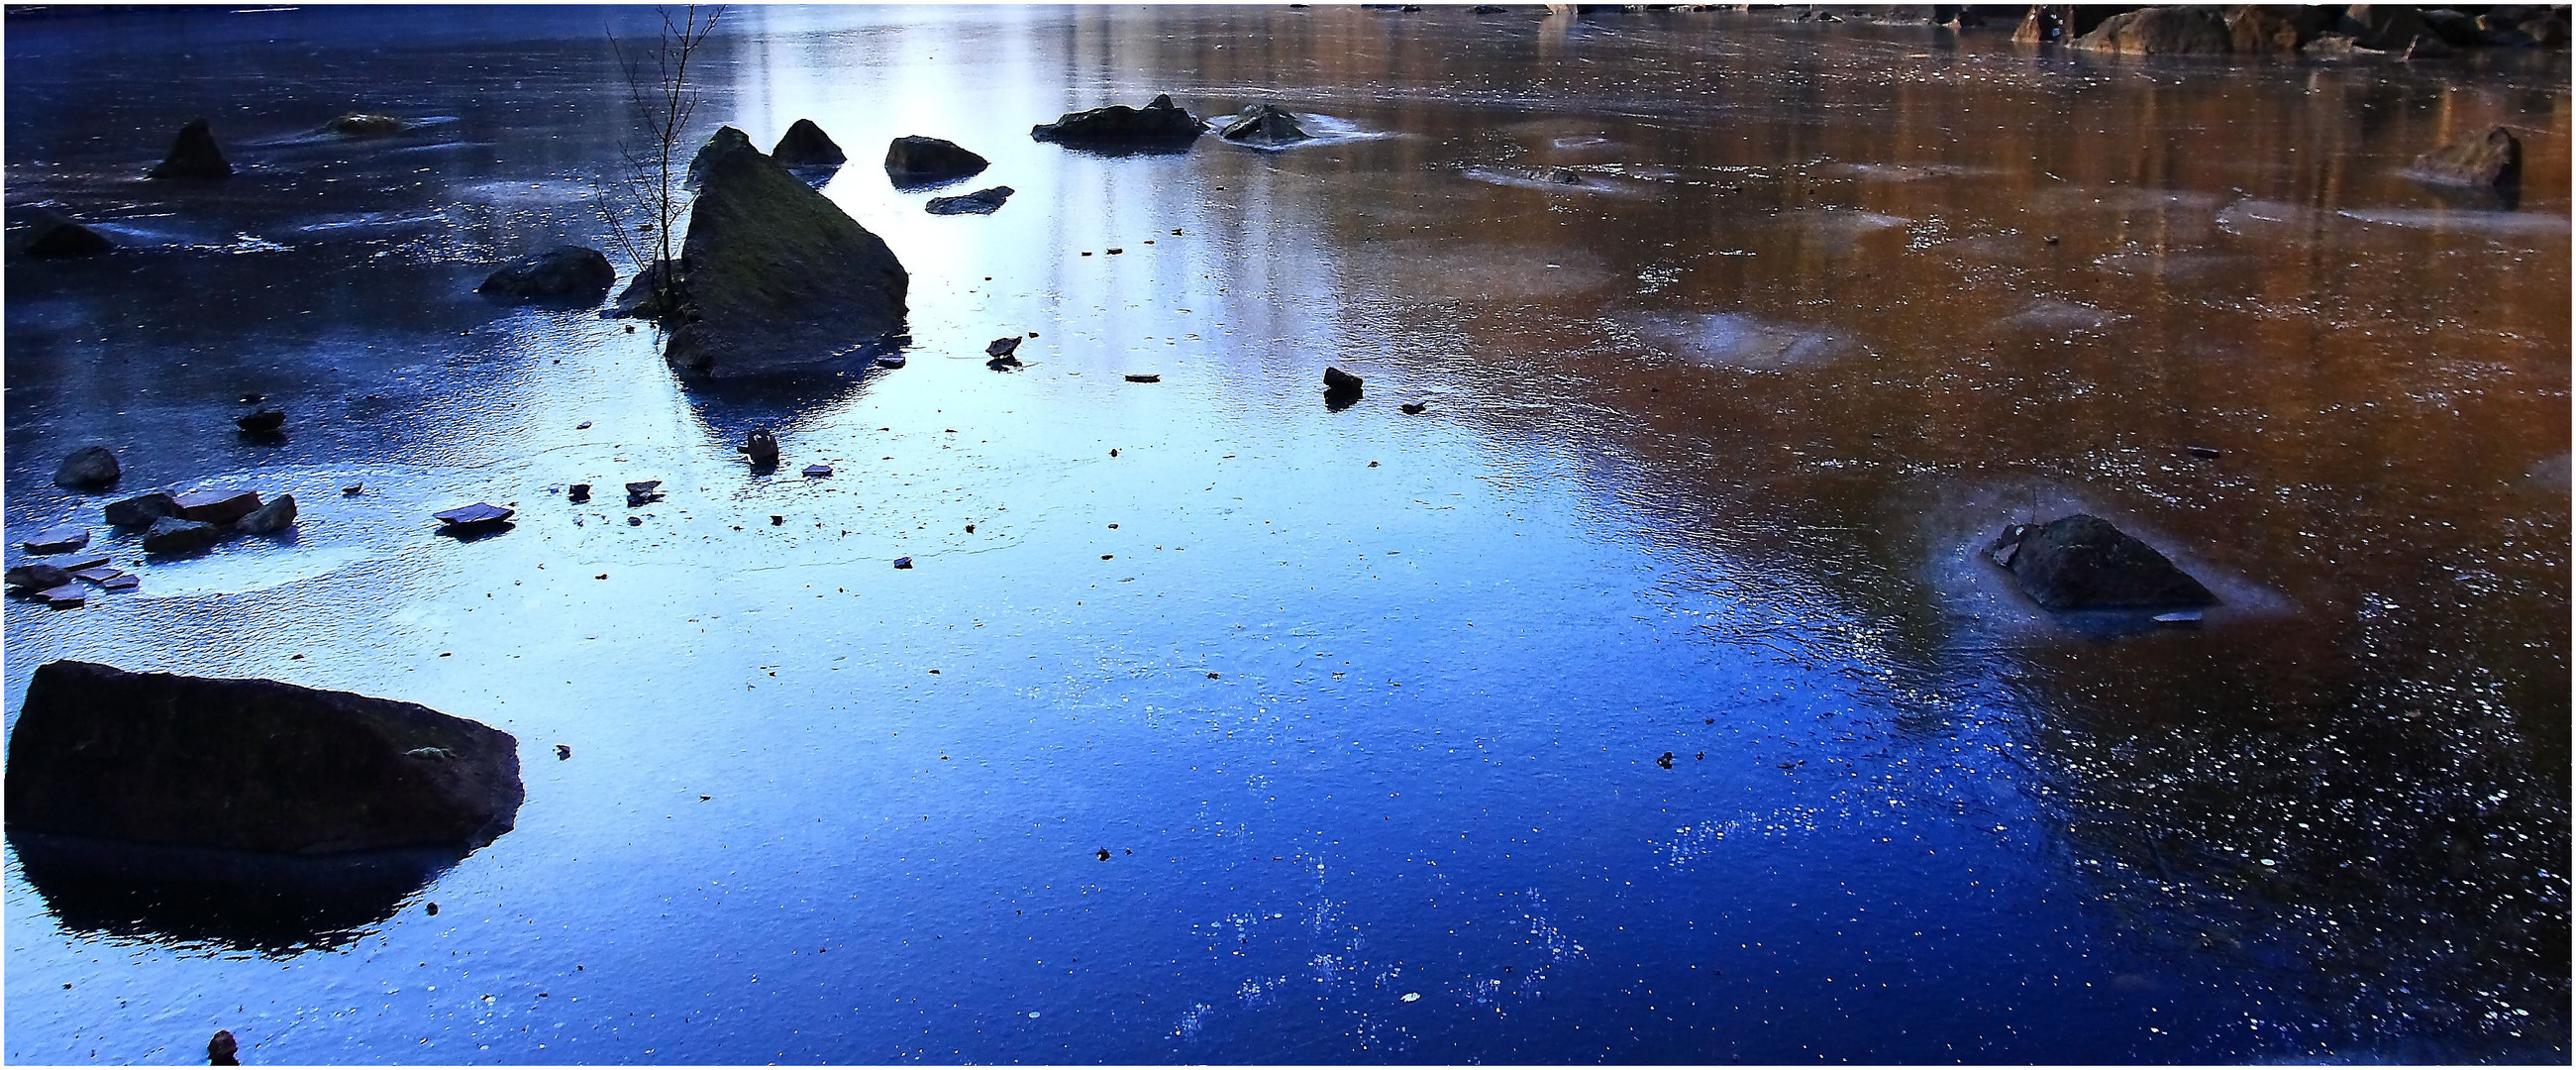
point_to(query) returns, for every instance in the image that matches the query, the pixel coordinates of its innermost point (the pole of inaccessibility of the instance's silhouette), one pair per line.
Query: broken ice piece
(2183, 616)
(903, 562)
(890, 361)
(582, 426)
(61, 540)
(817, 471)
(479, 513)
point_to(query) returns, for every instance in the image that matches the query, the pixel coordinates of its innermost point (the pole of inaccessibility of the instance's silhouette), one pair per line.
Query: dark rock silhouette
(251, 765)
(724, 140)
(87, 468)
(1159, 121)
(216, 506)
(264, 421)
(806, 145)
(49, 234)
(276, 516)
(193, 156)
(564, 273)
(779, 279)
(914, 161)
(1264, 124)
(980, 202)
(361, 124)
(171, 536)
(140, 510)
(2083, 562)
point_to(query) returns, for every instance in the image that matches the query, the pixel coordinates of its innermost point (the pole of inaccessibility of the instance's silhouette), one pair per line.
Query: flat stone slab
(479, 513)
(125, 582)
(61, 540)
(217, 506)
(63, 597)
(817, 471)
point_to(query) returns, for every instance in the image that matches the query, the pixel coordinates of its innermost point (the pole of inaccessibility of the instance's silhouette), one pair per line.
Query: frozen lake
(1642, 700)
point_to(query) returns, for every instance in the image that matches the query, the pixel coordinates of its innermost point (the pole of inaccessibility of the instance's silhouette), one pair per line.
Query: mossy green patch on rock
(777, 277)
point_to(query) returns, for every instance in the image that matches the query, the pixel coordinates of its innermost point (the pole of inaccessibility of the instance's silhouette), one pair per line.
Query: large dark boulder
(172, 536)
(914, 160)
(141, 510)
(724, 140)
(2083, 562)
(193, 155)
(251, 765)
(48, 233)
(1264, 124)
(2161, 31)
(563, 273)
(806, 145)
(2492, 160)
(87, 468)
(777, 277)
(1158, 122)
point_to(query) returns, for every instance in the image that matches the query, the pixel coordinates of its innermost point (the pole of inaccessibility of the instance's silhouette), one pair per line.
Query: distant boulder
(914, 160)
(360, 124)
(1264, 124)
(1160, 121)
(193, 155)
(806, 145)
(724, 140)
(778, 278)
(251, 765)
(2161, 31)
(49, 234)
(980, 202)
(563, 273)
(2492, 160)
(2256, 29)
(2083, 562)
(87, 468)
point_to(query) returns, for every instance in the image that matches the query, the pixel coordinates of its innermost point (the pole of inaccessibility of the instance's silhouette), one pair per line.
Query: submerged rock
(1264, 124)
(2083, 562)
(276, 516)
(1337, 381)
(980, 202)
(87, 468)
(778, 277)
(251, 765)
(1159, 121)
(563, 273)
(477, 515)
(51, 234)
(2492, 160)
(914, 160)
(140, 510)
(193, 155)
(726, 139)
(262, 422)
(2161, 31)
(1003, 347)
(762, 446)
(806, 145)
(171, 535)
(362, 124)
